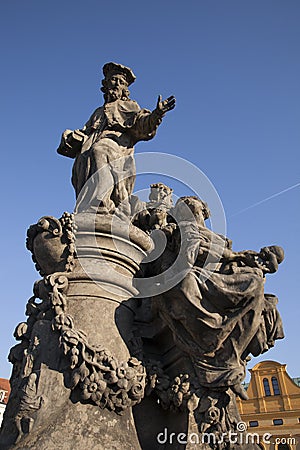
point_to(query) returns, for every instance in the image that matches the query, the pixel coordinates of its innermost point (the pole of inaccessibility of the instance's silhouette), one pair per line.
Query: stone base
(61, 421)
(73, 374)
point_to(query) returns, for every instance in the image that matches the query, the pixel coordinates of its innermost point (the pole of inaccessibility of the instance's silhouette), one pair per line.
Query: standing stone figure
(103, 148)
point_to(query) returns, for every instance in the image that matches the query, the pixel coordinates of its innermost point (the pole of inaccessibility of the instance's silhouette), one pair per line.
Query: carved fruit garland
(102, 380)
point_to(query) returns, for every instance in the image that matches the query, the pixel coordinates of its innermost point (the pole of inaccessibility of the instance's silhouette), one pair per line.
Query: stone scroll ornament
(52, 243)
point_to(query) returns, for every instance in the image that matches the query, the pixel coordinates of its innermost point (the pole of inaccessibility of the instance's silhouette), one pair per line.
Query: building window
(2, 396)
(266, 387)
(275, 386)
(253, 423)
(277, 422)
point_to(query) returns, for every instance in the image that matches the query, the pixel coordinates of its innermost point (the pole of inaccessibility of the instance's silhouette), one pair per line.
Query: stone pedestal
(80, 368)
(74, 381)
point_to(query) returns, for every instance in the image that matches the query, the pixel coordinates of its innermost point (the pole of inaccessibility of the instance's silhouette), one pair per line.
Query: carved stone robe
(104, 170)
(218, 316)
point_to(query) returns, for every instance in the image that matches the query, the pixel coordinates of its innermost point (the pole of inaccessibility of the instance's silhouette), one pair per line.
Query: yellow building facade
(273, 408)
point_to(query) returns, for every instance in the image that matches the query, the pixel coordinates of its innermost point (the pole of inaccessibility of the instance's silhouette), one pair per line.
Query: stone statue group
(212, 300)
(220, 303)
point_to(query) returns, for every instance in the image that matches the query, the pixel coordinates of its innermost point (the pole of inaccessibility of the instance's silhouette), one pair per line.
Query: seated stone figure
(218, 312)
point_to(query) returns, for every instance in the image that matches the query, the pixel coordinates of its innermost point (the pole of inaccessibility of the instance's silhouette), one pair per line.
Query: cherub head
(161, 194)
(196, 206)
(271, 252)
(272, 256)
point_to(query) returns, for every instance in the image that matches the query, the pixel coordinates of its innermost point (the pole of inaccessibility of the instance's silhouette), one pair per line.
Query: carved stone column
(74, 381)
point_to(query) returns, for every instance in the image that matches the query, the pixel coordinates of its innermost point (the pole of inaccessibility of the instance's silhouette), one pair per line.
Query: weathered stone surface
(52, 243)
(218, 315)
(104, 171)
(99, 367)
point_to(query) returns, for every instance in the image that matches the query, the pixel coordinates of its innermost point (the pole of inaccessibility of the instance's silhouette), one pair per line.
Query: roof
(5, 386)
(268, 364)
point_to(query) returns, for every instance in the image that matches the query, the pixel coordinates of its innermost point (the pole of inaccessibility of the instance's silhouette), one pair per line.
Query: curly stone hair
(193, 203)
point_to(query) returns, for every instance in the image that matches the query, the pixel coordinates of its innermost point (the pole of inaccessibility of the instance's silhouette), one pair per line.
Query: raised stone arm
(164, 106)
(150, 122)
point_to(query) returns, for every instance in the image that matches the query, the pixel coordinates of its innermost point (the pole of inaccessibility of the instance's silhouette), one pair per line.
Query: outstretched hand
(164, 106)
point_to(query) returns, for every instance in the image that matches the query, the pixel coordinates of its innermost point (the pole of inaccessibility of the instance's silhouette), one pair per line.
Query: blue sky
(234, 68)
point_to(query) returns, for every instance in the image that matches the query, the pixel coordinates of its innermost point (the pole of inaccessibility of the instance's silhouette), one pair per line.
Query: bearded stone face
(116, 85)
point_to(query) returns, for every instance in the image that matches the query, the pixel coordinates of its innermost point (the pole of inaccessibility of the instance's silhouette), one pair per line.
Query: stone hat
(111, 67)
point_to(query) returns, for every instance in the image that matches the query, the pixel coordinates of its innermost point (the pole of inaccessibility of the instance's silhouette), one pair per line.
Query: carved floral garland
(102, 380)
(97, 376)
